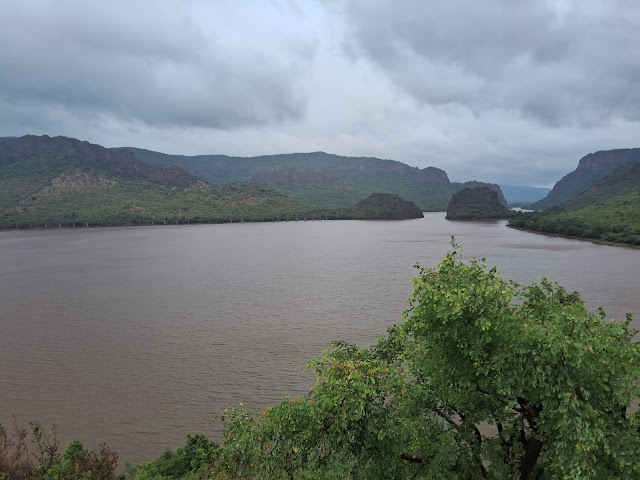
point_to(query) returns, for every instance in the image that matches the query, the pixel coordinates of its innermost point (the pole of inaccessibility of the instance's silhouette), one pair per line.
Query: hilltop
(322, 179)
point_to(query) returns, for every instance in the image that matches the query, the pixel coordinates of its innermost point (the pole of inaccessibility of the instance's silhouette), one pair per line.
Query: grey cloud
(152, 65)
(580, 64)
(499, 90)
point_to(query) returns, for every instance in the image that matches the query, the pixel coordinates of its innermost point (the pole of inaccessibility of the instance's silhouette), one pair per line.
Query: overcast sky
(505, 91)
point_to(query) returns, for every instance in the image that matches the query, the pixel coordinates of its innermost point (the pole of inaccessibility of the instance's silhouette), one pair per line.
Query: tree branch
(448, 420)
(498, 397)
(410, 457)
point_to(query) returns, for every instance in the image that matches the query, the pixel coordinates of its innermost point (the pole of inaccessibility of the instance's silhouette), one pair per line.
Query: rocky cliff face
(115, 160)
(591, 168)
(479, 202)
(493, 186)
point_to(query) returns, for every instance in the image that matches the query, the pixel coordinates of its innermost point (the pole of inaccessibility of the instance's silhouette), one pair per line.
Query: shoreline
(81, 225)
(571, 237)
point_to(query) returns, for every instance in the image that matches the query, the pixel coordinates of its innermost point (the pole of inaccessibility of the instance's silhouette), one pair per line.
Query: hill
(615, 221)
(476, 203)
(591, 168)
(622, 180)
(608, 211)
(384, 206)
(323, 179)
(60, 180)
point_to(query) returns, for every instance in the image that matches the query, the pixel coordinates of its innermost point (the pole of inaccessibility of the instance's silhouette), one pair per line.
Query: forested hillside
(608, 211)
(323, 179)
(591, 168)
(62, 181)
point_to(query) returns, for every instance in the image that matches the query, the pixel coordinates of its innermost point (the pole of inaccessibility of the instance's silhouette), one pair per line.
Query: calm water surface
(138, 336)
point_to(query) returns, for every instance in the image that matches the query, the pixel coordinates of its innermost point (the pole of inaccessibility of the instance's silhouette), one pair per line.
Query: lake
(137, 336)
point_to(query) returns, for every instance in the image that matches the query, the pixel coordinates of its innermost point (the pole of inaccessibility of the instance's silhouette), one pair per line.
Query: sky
(502, 91)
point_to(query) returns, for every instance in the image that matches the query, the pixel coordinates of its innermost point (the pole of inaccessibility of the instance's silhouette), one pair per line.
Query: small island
(383, 206)
(477, 203)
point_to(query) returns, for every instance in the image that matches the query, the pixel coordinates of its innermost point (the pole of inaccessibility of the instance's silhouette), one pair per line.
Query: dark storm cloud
(558, 63)
(144, 61)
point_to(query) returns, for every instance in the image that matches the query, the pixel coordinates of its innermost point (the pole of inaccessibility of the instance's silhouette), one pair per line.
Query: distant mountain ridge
(117, 161)
(64, 181)
(590, 169)
(323, 179)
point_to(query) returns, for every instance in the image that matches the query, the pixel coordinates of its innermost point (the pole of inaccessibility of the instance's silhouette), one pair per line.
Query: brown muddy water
(137, 336)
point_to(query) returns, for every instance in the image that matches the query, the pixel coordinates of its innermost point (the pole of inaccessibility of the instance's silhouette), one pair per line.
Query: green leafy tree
(189, 462)
(484, 379)
(32, 454)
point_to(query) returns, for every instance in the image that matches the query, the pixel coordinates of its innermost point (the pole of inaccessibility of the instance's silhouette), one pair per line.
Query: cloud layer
(501, 91)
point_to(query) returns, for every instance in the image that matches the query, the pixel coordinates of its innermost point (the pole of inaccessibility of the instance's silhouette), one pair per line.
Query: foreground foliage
(32, 454)
(190, 462)
(484, 379)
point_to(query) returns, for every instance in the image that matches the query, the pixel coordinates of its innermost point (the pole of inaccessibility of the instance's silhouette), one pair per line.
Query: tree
(32, 454)
(484, 379)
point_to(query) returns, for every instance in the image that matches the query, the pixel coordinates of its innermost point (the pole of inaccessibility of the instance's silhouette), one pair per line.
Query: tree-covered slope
(47, 180)
(616, 221)
(590, 169)
(622, 180)
(608, 211)
(322, 179)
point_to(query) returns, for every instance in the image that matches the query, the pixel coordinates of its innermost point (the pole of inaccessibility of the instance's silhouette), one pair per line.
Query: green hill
(384, 206)
(615, 221)
(46, 180)
(323, 179)
(622, 180)
(476, 203)
(591, 168)
(608, 211)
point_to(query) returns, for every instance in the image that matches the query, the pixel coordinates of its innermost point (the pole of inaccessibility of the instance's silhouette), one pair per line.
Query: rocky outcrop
(493, 186)
(591, 168)
(115, 160)
(384, 206)
(478, 202)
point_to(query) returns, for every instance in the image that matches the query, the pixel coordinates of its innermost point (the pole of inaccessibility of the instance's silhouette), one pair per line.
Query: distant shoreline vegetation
(378, 206)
